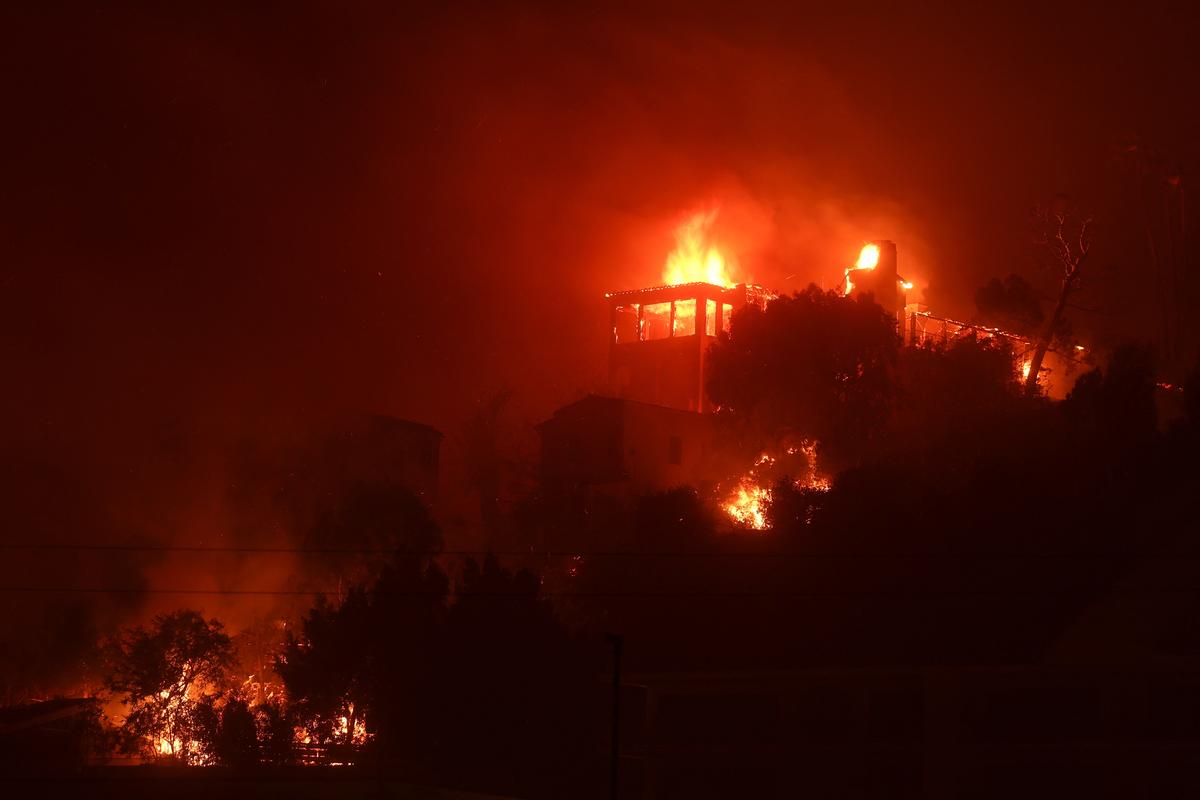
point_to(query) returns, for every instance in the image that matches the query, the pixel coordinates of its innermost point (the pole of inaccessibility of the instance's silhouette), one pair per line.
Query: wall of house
(583, 444)
(666, 372)
(665, 447)
(600, 441)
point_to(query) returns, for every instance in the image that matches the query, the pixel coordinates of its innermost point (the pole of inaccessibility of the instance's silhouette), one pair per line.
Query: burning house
(876, 273)
(660, 337)
(653, 428)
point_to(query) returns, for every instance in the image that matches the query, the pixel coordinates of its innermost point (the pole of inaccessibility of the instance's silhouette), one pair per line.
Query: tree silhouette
(366, 659)
(407, 607)
(276, 729)
(482, 691)
(517, 692)
(236, 742)
(1114, 407)
(1065, 235)
(948, 391)
(324, 669)
(165, 673)
(816, 365)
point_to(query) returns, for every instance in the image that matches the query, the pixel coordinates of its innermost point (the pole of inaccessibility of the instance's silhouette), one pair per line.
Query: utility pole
(614, 759)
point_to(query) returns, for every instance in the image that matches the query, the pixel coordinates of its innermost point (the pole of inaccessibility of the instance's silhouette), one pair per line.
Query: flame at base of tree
(359, 736)
(191, 752)
(174, 710)
(167, 748)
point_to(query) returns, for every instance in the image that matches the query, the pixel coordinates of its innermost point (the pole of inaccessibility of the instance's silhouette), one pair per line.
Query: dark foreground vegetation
(971, 524)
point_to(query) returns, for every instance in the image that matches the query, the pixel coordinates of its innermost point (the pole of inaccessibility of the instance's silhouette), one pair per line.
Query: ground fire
(749, 503)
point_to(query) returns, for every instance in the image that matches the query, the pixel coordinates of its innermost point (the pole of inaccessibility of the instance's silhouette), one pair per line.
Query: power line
(252, 550)
(611, 595)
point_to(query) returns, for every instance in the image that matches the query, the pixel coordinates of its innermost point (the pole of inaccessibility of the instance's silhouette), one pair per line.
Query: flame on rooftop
(868, 257)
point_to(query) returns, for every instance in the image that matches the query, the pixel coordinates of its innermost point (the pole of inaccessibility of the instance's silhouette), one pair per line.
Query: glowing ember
(696, 257)
(812, 480)
(1028, 365)
(342, 729)
(868, 258)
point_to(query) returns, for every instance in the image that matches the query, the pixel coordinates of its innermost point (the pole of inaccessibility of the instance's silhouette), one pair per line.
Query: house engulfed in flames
(653, 429)
(660, 337)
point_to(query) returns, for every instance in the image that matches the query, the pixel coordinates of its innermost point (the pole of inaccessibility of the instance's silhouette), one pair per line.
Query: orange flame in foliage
(315, 752)
(747, 505)
(695, 257)
(166, 747)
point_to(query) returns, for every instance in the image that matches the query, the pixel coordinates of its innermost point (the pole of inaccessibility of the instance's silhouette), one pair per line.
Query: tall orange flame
(748, 504)
(695, 257)
(868, 258)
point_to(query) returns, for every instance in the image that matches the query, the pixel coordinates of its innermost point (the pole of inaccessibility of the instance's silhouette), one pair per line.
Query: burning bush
(750, 502)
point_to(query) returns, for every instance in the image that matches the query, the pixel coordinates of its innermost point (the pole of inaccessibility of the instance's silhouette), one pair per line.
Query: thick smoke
(226, 223)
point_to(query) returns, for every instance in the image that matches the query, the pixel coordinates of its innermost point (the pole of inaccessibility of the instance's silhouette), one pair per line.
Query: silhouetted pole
(617, 641)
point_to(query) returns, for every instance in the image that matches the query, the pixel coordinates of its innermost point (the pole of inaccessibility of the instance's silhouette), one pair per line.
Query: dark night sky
(225, 219)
